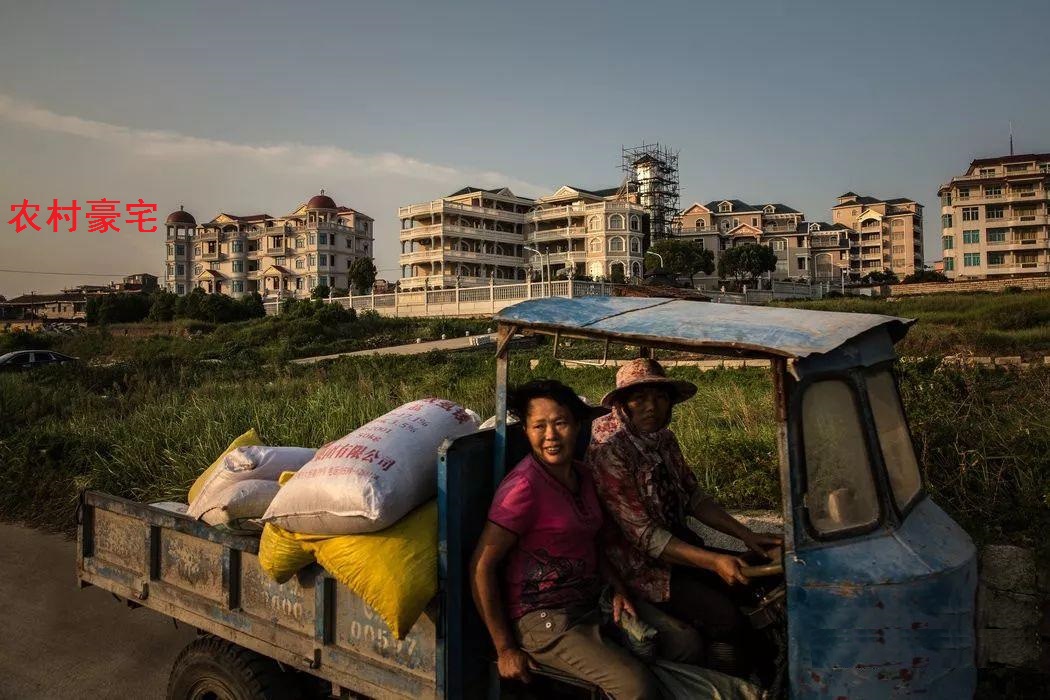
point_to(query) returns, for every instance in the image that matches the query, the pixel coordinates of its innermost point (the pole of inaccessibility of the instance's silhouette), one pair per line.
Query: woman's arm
(685, 554)
(493, 545)
(621, 599)
(710, 513)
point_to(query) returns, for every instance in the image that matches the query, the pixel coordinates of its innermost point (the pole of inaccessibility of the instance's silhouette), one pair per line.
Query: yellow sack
(393, 570)
(282, 553)
(249, 439)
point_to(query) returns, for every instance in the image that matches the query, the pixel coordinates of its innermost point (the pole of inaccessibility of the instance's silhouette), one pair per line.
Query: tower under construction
(651, 171)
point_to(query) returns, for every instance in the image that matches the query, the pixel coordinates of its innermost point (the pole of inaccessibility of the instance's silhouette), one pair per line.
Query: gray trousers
(573, 644)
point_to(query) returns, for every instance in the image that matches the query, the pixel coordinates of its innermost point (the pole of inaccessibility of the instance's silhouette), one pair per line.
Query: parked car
(28, 359)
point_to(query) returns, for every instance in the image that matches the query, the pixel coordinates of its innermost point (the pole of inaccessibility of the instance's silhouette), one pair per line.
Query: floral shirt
(648, 491)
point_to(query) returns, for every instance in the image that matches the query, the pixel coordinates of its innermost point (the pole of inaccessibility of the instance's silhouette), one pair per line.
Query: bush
(117, 308)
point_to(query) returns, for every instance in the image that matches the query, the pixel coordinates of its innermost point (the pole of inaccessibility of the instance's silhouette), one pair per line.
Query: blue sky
(253, 106)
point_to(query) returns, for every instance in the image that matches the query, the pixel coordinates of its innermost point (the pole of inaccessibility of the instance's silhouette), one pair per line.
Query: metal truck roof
(761, 330)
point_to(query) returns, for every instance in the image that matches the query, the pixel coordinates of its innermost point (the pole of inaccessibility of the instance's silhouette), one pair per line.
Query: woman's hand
(759, 542)
(513, 665)
(621, 604)
(728, 567)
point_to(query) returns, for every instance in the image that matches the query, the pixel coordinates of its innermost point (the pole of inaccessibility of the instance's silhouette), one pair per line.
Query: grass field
(978, 324)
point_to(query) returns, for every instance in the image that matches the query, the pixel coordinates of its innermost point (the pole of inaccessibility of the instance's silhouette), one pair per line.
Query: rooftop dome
(181, 217)
(321, 201)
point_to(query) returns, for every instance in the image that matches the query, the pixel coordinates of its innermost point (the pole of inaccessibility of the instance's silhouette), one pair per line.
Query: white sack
(371, 478)
(257, 463)
(240, 504)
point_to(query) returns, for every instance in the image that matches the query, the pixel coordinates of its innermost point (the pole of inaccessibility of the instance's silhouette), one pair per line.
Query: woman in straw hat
(648, 491)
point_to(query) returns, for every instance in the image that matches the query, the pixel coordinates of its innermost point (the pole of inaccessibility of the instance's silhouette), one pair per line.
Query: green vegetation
(746, 262)
(684, 258)
(951, 324)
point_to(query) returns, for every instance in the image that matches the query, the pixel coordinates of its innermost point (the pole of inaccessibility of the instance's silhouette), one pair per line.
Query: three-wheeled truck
(874, 594)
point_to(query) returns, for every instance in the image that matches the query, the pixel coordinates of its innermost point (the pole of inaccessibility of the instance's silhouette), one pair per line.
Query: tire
(210, 668)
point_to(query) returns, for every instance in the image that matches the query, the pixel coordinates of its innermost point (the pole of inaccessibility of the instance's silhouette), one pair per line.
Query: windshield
(7, 356)
(897, 449)
(840, 488)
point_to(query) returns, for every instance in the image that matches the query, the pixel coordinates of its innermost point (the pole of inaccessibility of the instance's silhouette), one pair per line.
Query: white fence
(487, 300)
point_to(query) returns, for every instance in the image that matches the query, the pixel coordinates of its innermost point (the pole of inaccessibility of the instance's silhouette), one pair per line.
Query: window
(949, 264)
(636, 223)
(779, 244)
(993, 212)
(964, 193)
(971, 259)
(171, 270)
(725, 207)
(971, 237)
(197, 269)
(596, 245)
(701, 224)
(897, 450)
(800, 263)
(237, 246)
(970, 213)
(238, 266)
(899, 236)
(948, 242)
(993, 190)
(253, 266)
(897, 223)
(299, 242)
(180, 269)
(299, 282)
(299, 264)
(996, 258)
(311, 260)
(349, 243)
(996, 235)
(616, 222)
(180, 249)
(898, 250)
(322, 239)
(616, 245)
(180, 289)
(171, 250)
(754, 221)
(237, 286)
(196, 250)
(782, 266)
(592, 223)
(636, 245)
(840, 489)
(1017, 168)
(946, 220)
(985, 172)
(311, 239)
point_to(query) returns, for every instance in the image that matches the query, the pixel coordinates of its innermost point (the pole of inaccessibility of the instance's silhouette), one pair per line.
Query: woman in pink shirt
(537, 572)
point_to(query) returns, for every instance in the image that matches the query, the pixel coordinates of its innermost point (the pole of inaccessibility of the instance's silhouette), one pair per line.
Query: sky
(248, 107)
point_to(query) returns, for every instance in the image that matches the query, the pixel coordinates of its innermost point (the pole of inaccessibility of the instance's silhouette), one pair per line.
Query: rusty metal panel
(191, 563)
(359, 630)
(122, 542)
(290, 605)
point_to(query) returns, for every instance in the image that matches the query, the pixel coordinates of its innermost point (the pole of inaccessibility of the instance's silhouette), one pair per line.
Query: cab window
(897, 449)
(840, 488)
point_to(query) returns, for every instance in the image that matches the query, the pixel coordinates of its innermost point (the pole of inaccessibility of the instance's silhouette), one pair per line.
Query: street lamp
(650, 252)
(546, 265)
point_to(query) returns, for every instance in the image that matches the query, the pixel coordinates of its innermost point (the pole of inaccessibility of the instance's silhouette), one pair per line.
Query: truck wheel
(210, 668)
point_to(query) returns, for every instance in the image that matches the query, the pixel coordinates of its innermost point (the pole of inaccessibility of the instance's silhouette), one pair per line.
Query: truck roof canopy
(758, 331)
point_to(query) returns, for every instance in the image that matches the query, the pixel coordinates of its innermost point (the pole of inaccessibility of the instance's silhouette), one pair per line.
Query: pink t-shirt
(555, 562)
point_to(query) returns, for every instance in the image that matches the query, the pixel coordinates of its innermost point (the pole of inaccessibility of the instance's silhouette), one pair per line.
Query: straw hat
(647, 372)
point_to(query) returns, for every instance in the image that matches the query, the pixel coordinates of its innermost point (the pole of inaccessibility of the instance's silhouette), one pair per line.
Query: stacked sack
(363, 507)
(237, 489)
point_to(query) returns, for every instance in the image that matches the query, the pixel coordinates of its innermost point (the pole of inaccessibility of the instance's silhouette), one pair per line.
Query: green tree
(683, 258)
(321, 291)
(117, 308)
(747, 261)
(362, 275)
(925, 276)
(163, 306)
(887, 276)
(251, 306)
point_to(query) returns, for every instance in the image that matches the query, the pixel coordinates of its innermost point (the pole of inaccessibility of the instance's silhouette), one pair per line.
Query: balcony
(557, 234)
(418, 232)
(441, 206)
(1018, 268)
(213, 255)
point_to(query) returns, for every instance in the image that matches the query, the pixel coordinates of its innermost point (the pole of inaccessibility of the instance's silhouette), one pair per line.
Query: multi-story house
(722, 224)
(890, 231)
(275, 256)
(475, 236)
(468, 238)
(995, 218)
(593, 233)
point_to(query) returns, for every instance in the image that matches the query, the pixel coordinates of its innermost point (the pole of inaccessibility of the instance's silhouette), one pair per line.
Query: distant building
(995, 218)
(141, 282)
(275, 256)
(890, 231)
(475, 236)
(67, 306)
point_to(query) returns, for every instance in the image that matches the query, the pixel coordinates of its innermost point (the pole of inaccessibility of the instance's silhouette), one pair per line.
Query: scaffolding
(651, 174)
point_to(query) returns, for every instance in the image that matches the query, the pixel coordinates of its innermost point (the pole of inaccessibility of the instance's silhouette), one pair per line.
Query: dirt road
(57, 641)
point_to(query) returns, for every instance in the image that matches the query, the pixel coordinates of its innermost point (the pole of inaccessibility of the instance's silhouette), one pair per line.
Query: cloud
(172, 146)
